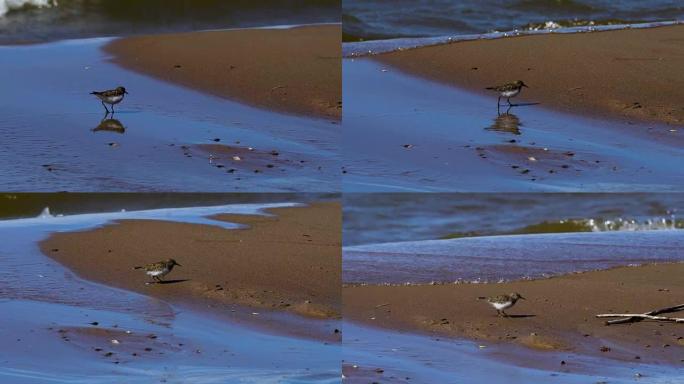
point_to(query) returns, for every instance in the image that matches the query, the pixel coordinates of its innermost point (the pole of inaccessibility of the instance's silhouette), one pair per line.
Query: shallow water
(40, 296)
(393, 217)
(422, 359)
(421, 136)
(368, 20)
(228, 353)
(49, 143)
(505, 258)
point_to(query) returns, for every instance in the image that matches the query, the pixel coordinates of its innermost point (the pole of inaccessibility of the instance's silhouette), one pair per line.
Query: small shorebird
(110, 96)
(508, 90)
(159, 269)
(503, 302)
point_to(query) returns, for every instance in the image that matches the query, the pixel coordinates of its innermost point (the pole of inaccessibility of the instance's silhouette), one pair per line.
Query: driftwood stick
(652, 315)
(623, 320)
(676, 308)
(641, 316)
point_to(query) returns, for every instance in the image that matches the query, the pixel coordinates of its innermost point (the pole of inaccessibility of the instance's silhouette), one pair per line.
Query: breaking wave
(12, 5)
(585, 225)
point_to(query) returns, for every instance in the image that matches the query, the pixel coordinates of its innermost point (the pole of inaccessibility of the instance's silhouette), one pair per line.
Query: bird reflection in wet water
(506, 123)
(110, 125)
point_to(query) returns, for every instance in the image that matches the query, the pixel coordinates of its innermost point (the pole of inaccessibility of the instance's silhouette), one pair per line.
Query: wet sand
(116, 344)
(624, 74)
(543, 164)
(246, 161)
(558, 315)
(296, 70)
(287, 262)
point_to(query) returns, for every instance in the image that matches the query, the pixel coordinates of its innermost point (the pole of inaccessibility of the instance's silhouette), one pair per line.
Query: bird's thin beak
(126, 92)
(523, 298)
(525, 85)
(178, 265)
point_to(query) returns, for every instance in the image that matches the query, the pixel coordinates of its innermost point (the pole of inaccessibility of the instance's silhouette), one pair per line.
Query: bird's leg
(498, 101)
(507, 99)
(105, 107)
(504, 313)
(112, 110)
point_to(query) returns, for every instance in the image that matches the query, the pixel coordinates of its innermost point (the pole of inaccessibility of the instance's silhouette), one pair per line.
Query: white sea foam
(629, 225)
(193, 215)
(45, 213)
(8, 5)
(551, 25)
(373, 47)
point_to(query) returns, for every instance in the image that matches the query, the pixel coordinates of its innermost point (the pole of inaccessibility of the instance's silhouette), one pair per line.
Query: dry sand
(625, 74)
(559, 313)
(287, 262)
(295, 70)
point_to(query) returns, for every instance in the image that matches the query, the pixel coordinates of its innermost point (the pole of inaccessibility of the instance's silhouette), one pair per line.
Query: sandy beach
(623, 74)
(295, 70)
(558, 315)
(286, 262)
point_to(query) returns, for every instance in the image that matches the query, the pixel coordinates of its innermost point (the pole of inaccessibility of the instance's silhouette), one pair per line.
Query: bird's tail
(94, 93)
(491, 88)
(138, 267)
(482, 298)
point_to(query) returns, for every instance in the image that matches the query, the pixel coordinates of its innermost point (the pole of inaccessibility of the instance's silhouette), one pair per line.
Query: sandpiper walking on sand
(508, 90)
(159, 269)
(110, 96)
(503, 302)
